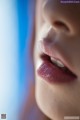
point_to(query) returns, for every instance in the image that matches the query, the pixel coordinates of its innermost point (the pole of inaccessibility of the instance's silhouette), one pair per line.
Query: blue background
(16, 22)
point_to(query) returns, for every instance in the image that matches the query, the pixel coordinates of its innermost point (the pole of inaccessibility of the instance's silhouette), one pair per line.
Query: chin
(52, 104)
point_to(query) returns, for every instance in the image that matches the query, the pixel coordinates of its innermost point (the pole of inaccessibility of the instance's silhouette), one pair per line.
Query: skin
(59, 100)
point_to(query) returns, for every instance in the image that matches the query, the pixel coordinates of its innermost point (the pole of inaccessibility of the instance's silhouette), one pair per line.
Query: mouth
(53, 70)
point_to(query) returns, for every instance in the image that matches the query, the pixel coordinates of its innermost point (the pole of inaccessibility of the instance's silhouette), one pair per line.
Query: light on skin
(59, 100)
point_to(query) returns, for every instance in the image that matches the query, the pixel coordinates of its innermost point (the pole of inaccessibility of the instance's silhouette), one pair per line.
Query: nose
(60, 25)
(62, 17)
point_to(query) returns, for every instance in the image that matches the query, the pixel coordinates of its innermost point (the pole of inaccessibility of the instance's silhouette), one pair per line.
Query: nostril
(60, 25)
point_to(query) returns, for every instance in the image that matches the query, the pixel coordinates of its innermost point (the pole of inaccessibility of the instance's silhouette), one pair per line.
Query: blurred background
(16, 23)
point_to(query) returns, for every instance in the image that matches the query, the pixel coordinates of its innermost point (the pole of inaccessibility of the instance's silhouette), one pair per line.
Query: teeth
(60, 64)
(54, 60)
(57, 62)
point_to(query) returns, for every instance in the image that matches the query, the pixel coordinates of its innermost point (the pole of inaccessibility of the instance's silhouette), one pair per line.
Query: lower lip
(53, 74)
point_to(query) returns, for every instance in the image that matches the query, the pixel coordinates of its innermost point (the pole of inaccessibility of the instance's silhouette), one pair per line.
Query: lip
(53, 74)
(50, 72)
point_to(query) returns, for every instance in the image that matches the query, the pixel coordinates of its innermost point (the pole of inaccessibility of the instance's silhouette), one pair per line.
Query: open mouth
(53, 70)
(57, 63)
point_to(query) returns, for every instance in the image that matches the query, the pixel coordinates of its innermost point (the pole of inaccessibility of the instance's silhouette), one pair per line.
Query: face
(57, 58)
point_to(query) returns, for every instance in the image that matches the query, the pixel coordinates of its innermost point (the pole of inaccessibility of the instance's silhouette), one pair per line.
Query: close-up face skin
(57, 58)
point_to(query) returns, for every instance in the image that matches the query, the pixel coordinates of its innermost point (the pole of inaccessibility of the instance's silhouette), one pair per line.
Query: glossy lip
(55, 53)
(53, 74)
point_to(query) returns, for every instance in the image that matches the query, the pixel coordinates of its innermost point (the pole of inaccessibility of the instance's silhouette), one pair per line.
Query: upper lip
(54, 52)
